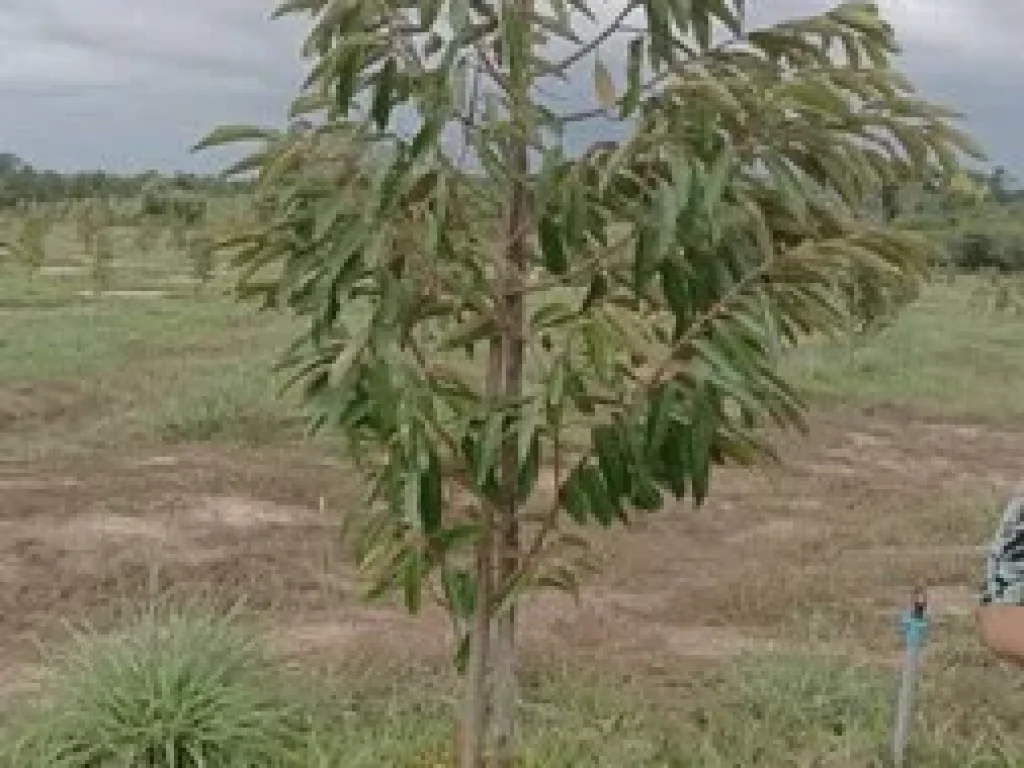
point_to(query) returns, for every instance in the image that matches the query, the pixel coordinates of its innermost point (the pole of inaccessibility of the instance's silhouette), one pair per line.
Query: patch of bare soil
(63, 270)
(34, 404)
(139, 293)
(827, 545)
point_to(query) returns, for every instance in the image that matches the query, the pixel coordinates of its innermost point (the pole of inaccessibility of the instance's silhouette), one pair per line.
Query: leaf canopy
(667, 271)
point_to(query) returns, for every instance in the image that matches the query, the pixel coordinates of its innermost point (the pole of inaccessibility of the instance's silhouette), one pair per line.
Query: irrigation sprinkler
(915, 627)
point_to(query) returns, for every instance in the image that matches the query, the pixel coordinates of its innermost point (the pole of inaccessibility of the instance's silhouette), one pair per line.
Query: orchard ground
(142, 448)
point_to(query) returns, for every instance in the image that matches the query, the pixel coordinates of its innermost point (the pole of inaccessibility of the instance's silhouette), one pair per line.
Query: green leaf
(233, 134)
(718, 179)
(645, 495)
(701, 434)
(682, 14)
(345, 79)
(412, 581)
(668, 211)
(673, 456)
(612, 459)
(659, 28)
(515, 43)
(553, 246)
(459, 591)
(431, 506)
(381, 108)
(573, 496)
(702, 26)
(596, 292)
(677, 292)
(529, 469)
(604, 506)
(634, 71)
(298, 6)
(460, 659)
(645, 260)
(490, 440)
(307, 104)
(576, 217)
(430, 11)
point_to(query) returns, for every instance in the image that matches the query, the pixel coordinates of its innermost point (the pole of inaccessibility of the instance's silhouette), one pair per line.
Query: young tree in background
(493, 315)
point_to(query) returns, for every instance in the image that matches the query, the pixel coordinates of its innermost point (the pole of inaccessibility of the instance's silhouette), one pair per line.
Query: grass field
(142, 448)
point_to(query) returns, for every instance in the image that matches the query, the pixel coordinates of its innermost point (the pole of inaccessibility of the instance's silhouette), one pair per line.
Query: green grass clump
(233, 405)
(176, 688)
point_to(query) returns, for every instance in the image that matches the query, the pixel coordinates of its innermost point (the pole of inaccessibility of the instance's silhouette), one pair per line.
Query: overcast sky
(130, 84)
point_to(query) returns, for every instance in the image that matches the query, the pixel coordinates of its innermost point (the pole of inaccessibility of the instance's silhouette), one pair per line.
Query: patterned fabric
(1005, 569)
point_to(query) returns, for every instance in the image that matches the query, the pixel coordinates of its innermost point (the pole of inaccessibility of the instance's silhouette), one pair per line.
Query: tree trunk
(472, 733)
(516, 262)
(505, 688)
(473, 728)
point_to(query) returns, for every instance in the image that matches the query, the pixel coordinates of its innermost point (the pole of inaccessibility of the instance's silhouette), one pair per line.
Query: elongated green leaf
(233, 134)
(574, 498)
(634, 75)
(460, 591)
(431, 502)
(553, 246)
(413, 572)
(381, 108)
(604, 507)
(612, 460)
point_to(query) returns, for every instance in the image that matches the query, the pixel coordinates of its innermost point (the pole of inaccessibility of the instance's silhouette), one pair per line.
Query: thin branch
(582, 52)
(492, 69)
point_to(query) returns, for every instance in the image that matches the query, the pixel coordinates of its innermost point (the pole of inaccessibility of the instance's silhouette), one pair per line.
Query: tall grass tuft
(178, 687)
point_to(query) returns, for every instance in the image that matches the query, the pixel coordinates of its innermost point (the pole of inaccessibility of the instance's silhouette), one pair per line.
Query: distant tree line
(977, 216)
(980, 250)
(20, 183)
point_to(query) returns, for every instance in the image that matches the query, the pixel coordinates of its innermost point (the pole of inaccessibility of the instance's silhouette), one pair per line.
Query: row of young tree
(521, 340)
(105, 231)
(22, 185)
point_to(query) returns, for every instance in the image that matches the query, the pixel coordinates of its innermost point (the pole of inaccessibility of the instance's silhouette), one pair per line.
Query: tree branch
(582, 52)
(717, 310)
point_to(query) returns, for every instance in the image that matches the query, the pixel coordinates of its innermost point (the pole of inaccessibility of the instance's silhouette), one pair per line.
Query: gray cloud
(130, 85)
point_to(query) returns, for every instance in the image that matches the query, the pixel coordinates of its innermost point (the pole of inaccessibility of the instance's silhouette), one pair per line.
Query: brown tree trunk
(473, 727)
(471, 738)
(516, 262)
(505, 688)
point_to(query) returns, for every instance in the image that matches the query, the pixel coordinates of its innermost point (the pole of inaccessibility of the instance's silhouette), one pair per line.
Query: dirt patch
(146, 293)
(781, 529)
(240, 512)
(355, 630)
(713, 643)
(96, 529)
(63, 270)
(153, 461)
(34, 404)
(18, 680)
(828, 542)
(36, 483)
